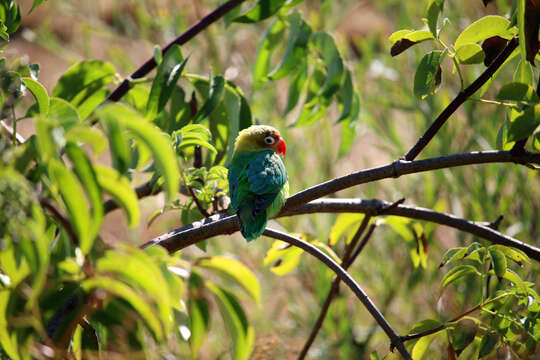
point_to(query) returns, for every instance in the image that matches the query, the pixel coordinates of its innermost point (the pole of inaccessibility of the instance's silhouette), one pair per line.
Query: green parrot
(258, 182)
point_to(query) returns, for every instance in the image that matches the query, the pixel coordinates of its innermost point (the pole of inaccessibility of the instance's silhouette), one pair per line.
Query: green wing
(255, 181)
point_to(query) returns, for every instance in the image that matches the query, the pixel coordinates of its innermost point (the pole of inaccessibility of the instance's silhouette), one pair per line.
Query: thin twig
(443, 326)
(10, 132)
(460, 99)
(334, 288)
(395, 340)
(198, 203)
(189, 34)
(62, 219)
(223, 223)
(363, 243)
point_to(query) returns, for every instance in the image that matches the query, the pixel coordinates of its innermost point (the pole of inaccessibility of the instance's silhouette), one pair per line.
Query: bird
(258, 180)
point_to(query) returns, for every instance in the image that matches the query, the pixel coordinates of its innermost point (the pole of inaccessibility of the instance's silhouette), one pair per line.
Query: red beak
(282, 147)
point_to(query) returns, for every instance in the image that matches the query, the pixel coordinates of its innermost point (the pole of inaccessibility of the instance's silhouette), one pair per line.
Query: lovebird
(258, 181)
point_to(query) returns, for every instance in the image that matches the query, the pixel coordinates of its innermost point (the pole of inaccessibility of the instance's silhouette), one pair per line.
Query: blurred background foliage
(281, 294)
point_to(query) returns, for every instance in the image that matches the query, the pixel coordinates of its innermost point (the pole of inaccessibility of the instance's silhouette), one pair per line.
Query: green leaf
(119, 146)
(425, 325)
(91, 136)
(263, 10)
(296, 87)
(524, 73)
(73, 196)
(10, 16)
(217, 89)
(404, 39)
(152, 137)
(295, 53)
(513, 254)
(8, 338)
(463, 334)
(236, 271)
(168, 73)
(35, 5)
(126, 264)
(514, 278)
(470, 54)
(343, 223)
(331, 57)
(64, 112)
(453, 254)
(40, 94)
(283, 257)
(498, 261)
(435, 7)
(83, 82)
(242, 335)
(119, 187)
(486, 27)
(123, 291)
(199, 314)
(270, 40)
(421, 346)
(457, 273)
(522, 27)
(427, 78)
(517, 92)
(85, 172)
(525, 125)
(487, 345)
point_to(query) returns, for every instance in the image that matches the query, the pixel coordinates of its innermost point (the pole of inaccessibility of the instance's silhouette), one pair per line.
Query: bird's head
(259, 138)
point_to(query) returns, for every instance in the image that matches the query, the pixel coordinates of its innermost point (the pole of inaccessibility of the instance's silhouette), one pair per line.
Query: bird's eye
(269, 140)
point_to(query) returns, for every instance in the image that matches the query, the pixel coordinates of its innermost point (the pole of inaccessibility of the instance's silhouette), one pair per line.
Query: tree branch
(403, 167)
(222, 223)
(189, 34)
(460, 99)
(395, 340)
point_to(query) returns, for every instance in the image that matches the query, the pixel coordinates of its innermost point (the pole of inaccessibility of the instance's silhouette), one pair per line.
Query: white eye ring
(269, 140)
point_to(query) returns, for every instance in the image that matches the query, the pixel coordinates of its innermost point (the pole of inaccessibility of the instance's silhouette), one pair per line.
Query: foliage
(65, 291)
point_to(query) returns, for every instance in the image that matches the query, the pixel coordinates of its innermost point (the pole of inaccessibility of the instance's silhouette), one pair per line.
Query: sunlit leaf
(457, 273)
(435, 7)
(125, 292)
(404, 39)
(199, 313)
(525, 124)
(486, 27)
(470, 54)
(498, 261)
(168, 73)
(40, 94)
(262, 10)
(512, 253)
(282, 257)
(73, 196)
(84, 82)
(85, 172)
(242, 335)
(299, 33)
(119, 187)
(236, 271)
(343, 223)
(325, 45)
(268, 43)
(91, 136)
(217, 89)
(152, 137)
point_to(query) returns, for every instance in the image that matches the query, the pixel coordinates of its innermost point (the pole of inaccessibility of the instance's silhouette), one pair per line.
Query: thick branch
(190, 33)
(395, 340)
(460, 99)
(403, 167)
(221, 224)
